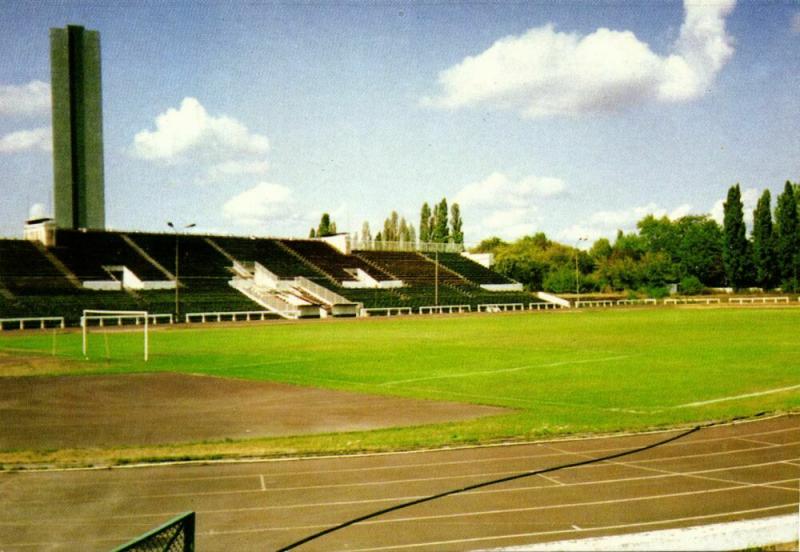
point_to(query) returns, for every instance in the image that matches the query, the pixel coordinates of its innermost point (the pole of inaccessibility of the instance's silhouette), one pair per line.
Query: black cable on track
(484, 484)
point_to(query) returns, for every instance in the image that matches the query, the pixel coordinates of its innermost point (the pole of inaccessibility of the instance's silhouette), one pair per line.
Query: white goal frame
(101, 315)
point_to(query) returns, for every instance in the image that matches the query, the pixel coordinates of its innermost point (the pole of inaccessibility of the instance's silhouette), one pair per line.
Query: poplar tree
(763, 242)
(312, 234)
(366, 234)
(456, 234)
(324, 228)
(440, 230)
(425, 223)
(786, 238)
(735, 246)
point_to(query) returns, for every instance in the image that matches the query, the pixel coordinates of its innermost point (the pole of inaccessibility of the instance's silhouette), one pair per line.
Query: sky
(571, 118)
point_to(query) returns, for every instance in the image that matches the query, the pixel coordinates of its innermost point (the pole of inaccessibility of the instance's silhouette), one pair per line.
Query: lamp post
(177, 266)
(577, 273)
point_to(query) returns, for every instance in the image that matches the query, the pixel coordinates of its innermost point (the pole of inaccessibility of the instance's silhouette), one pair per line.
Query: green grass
(562, 373)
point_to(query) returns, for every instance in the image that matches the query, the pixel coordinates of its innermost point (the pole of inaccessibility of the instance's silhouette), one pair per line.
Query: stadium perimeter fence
(176, 535)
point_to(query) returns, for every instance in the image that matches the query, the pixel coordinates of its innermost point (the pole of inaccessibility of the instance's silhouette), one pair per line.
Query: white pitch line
(737, 397)
(263, 483)
(504, 370)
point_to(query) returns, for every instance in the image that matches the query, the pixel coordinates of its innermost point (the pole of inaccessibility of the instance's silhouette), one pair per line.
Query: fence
(424, 247)
(387, 311)
(177, 535)
(624, 302)
(152, 318)
(501, 307)
(227, 316)
(591, 304)
(753, 300)
(23, 323)
(444, 309)
(544, 306)
(691, 300)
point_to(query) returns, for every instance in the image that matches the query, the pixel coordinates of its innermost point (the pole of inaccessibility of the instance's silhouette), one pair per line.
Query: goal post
(103, 316)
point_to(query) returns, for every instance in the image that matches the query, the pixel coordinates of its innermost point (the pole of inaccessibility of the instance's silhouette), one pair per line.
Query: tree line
(436, 225)
(693, 251)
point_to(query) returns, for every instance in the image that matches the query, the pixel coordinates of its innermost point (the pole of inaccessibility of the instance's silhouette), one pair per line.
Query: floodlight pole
(177, 266)
(577, 272)
(436, 278)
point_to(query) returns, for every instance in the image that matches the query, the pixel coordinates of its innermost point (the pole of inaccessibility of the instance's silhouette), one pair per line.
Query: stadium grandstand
(291, 278)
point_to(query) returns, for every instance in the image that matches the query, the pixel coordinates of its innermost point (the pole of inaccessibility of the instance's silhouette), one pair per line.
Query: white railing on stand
(501, 307)
(23, 323)
(227, 316)
(444, 309)
(387, 311)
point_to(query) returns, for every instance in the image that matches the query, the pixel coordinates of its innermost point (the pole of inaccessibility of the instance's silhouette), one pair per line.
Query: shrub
(691, 285)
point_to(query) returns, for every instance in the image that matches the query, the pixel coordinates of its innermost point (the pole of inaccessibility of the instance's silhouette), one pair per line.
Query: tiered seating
(469, 269)
(24, 269)
(201, 266)
(86, 253)
(332, 261)
(269, 254)
(411, 267)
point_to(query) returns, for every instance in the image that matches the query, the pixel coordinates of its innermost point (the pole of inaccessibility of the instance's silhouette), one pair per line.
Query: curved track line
(481, 485)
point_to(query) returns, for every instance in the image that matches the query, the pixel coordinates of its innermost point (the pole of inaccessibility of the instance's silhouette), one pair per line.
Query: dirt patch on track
(148, 409)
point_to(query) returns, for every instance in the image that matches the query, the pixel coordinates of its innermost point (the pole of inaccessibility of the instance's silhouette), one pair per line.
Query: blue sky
(572, 118)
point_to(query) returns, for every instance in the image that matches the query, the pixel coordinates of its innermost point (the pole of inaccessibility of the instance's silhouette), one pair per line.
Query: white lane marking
(632, 463)
(586, 529)
(737, 397)
(756, 441)
(666, 475)
(263, 483)
(505, 370)
(552, 480)
(732, 535)
(576, 527)
(522, 509)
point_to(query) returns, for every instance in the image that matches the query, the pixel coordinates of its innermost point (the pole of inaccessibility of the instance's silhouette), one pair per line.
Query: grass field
(561, 373)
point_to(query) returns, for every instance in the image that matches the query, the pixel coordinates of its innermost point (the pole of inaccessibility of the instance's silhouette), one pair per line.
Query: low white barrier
(753, 300)
(590, 304)
(23, 323)
(227, 316)
(444, 309)
(544, 306)
(623, 302)
(501, 307)
(691, 300)
(152, 318)
(388, 311)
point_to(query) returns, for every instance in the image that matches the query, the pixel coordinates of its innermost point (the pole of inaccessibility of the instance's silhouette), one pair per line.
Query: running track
(721, 473)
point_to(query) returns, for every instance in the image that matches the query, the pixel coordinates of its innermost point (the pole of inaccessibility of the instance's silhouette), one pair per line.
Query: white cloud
(605, 224)
(545, 72)
(37, 139)
(264, 204)
(190, 129)
(504, 207)
(26, 99)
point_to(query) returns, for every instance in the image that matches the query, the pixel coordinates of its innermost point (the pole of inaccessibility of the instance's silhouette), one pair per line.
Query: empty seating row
(469, 269)
(333, 262)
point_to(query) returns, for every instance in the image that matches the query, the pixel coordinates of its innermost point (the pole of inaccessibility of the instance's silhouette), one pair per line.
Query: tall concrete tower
(77, 128)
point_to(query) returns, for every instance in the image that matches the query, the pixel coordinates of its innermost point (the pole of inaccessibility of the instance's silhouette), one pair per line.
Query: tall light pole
(577, 273)
(177, 266)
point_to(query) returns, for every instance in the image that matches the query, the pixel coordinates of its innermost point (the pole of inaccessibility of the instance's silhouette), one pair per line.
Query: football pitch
(557, 373)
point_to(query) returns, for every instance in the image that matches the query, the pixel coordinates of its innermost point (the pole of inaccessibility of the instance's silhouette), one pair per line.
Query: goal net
(105, 319)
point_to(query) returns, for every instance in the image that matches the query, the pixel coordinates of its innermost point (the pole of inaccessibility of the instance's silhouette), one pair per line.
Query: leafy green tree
(735, 246)
(456, 234)
(489, 245)
(691, 285)
(764, 243)
(425, 223)
(601, 249)
(787, 241)
(440, 231)
(659, 235)
(326, 226)
(312, 234)
(700, 249)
